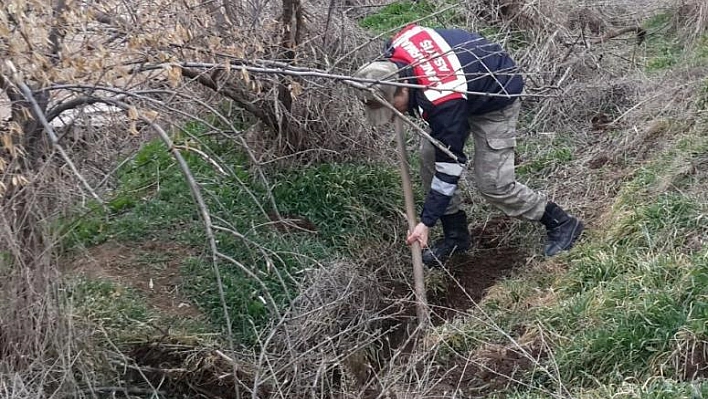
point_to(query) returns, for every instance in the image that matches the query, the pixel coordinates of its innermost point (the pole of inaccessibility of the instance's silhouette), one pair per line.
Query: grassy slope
(625, 314)
(341, 202)
(618, 315)
(627, 310)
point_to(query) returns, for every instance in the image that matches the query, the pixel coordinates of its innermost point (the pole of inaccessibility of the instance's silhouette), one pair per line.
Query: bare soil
(490, 259)
(468, 278)
(152, 268)
(473, 273)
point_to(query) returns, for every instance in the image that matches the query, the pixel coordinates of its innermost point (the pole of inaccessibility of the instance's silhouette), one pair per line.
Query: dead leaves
(135, 116)
(174, 75)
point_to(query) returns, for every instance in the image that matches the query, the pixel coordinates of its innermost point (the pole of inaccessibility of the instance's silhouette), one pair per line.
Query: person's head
(377, 113)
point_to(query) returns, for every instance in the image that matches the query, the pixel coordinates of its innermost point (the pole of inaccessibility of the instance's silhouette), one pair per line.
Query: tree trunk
(292, 24)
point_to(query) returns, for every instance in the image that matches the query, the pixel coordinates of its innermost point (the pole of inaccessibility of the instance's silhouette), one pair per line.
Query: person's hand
(419, 234)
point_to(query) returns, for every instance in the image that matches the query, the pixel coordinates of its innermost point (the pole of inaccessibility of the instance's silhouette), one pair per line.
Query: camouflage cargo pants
(494, 141)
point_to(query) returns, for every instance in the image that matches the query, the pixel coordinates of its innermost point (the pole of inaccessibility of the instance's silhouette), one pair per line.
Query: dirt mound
(491, 368)
(466, 280)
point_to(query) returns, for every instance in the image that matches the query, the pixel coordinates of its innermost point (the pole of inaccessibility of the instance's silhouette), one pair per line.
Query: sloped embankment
(622, 315)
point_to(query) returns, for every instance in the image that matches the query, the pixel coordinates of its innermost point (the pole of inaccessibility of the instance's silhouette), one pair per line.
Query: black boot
(456, 239)
(563, 230)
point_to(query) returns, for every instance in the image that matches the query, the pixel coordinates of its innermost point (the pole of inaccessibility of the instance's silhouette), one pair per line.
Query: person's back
(486, 67)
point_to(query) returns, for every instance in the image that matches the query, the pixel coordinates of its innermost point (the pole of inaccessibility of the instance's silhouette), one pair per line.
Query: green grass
(633, 293)
(658, 388)
(122, 313)
(664, 48)
(343, 200)
(702, 100)
(538, 158)
(546, 162)
(618, 311)
(398, 14)
(627, 320)
(615, 316)
(110, 305)
(665, 54)
(350, 205)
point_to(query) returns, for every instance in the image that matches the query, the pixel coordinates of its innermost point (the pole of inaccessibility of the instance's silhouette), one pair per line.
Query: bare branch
(9, 89)
(207, 81)
(71, 104)
(312, 72)
(388, 32)
(204, 212)
(56, 34)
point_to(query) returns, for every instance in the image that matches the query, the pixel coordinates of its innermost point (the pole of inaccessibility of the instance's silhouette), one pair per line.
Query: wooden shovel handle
(421, 302)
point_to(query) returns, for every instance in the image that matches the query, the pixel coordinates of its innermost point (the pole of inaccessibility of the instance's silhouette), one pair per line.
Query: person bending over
(465, 84)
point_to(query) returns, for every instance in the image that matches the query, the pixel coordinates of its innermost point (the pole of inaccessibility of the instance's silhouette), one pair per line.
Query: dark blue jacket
(488, 69)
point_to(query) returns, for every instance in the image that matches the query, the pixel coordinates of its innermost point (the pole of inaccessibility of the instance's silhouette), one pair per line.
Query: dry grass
(339, 331)
(333, 341)
(39, 351)
(690, 19)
